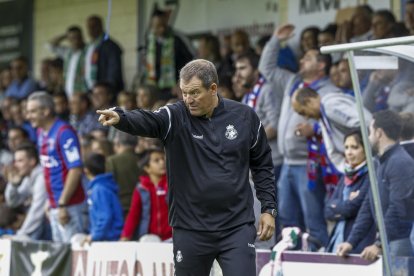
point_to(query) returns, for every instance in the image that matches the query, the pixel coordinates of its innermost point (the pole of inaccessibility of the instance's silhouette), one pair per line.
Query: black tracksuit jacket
(208, 161)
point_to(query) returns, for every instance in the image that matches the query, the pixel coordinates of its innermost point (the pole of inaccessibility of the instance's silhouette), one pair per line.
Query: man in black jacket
(211, 143)
(103, 57)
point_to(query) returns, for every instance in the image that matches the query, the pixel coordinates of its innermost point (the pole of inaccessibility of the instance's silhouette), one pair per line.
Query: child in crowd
(148, 213)
(105, 211)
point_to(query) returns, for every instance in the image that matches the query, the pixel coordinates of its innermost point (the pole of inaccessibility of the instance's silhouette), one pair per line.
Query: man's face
(237, 44)
(76, 105)
(373, 137)
(380, 27)
(409, 16)
(360, 24)
(35, 113)
(344, 75)
(75, 40)
(158, 26)
(308, 41)
(61, 105)
(19, 69)
(23, 163)
(100, 97)
(94, 28)
(325, 39)
(309, 64)
(246, 75)
(307, 110)
(14, 139)
(198, 99)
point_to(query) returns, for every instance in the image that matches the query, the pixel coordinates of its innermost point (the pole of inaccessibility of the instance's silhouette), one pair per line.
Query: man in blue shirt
(60, 158)
(22, 85)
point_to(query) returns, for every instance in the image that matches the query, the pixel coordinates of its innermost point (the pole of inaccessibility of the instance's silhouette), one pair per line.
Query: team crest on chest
(231, 132)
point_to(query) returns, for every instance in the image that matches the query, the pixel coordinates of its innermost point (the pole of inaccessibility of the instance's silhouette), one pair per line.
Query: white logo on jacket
(179, 257)
(231, 132)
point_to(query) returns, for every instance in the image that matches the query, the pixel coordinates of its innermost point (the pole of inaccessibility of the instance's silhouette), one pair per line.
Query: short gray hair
(44, 99)
(202, 69)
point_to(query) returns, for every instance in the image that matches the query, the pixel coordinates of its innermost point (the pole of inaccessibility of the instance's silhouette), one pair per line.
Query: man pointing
(211, 143)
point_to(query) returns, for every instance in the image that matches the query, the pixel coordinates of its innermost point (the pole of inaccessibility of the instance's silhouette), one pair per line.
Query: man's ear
(213, 88)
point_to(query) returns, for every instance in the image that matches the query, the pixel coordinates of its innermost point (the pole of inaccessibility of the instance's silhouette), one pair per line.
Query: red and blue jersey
(59, 152)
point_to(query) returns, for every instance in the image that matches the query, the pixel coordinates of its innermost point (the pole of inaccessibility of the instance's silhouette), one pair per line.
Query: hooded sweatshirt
(105, 211)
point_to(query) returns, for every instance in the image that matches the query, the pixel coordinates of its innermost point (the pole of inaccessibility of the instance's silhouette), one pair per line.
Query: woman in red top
(148, 213)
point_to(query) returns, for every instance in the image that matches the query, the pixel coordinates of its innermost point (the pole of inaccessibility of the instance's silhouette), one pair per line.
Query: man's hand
(63, 216)
(304, 129)
(371, 252)
(343, 249)
(266, 227)
(284, 32)
(86, 241)
(13, 176)
(108, 117)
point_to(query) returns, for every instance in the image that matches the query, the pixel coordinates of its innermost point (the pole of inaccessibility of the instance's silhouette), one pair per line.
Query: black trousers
(195, 251)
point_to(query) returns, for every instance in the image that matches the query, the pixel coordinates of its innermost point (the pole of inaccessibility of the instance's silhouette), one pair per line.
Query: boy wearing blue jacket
(105, 211)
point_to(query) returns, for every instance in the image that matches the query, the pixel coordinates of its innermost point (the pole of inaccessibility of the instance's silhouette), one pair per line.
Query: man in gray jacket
(337, 115)
(26, 183)
(299, 205)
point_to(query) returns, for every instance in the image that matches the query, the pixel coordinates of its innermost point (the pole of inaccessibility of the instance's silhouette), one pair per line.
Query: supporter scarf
(353, 174)
(319, 167)
(167, 71)
(80, 84)
(250, 99)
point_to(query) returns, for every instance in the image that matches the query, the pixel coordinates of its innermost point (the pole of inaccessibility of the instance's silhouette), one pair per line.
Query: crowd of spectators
(58, 164)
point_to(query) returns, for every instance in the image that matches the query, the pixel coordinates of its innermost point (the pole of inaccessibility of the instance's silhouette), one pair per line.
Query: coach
(211, 143)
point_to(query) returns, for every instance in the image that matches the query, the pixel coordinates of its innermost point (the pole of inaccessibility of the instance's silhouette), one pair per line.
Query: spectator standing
(74, 59)
(103, 57)
(343, 206)
(337, 115)
(407, 142)
(300, 204)
(167, 52)
(61, 161)
(123, 165)
(395, 184)
(149, 209)
(105, 212)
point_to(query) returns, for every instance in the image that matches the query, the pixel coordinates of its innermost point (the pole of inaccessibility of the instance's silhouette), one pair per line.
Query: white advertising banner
(111, 258)
(324, 264)
(5, 252)
(155, 259)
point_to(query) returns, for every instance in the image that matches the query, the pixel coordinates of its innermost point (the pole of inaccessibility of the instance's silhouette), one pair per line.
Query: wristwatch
(272, 212)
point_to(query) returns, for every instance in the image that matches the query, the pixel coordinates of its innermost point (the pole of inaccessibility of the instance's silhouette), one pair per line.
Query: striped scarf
(319, 167)
(353, 174)
(167, 59)
(80, 84)
(250, 99)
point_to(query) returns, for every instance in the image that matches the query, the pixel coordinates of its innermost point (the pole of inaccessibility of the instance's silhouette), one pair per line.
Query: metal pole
(371, 168)
(367, 44)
